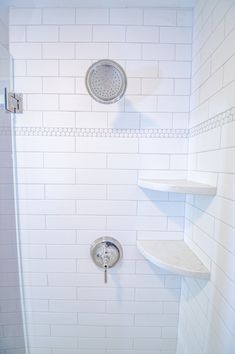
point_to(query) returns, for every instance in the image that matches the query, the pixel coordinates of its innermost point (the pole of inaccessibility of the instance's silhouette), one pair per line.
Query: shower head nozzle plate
(106, 81)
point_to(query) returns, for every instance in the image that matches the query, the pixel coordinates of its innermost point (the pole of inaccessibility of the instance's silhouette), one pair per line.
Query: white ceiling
(101, 3)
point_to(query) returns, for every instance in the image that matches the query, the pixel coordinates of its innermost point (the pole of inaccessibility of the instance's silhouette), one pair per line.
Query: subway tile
(105, 294)
(52, 318)
(134, 86)
(109, 33)
(28, 84)
(123, 120)
(72, 222)
(45, 144)
(45, 237)
(58, 51)
(30, 191)
(106, 176)
(73, 67)
(182, 86)
(168, 344)
(155, 120)
(183, 52)
(24, 16)
(223, 52)
(173, 103)
(42, 67)
(74, 330)
(77, 33)
(66, 252)
(58, 16)
(58, 85)
(229, 24)
(74, 160)
(156, 295)
(133, 161)
(134, 307)
(106, 319)
(160, 17)
(136, 223)
(39, 102)
(124, 51)
(75, 192)
(75, 102)
(19, 67)
(48, 266)
(122, 145)
(138, 103)
(34, 222)
(160, 208)
(93, 16)
(29, 159)
(163, 145)
(142, 34)
(33, 279)
(133, 192)
(106, 207)
(26, 50)
(56, 342)
(38, 207)
(184, 18)
(170, 69)
(138, 68)
(175, 35)
(91, 51)
(17, 34)
(59, 119)
(42, 33)
(158, 52)
(125, 237)
(126, 16)
(157, 87)
(91, 119)
(76, 306)
(51, 176)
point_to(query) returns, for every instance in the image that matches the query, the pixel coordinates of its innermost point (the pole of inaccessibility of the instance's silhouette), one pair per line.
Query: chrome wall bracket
(105, 253)
(13, 102)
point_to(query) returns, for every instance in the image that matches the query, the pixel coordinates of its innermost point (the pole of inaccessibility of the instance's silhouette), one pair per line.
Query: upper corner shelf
(177, 186)
(174, 256)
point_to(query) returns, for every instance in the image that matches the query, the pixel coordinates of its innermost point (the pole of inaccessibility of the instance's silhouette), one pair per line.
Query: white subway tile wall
(73, 190)
(207, 311)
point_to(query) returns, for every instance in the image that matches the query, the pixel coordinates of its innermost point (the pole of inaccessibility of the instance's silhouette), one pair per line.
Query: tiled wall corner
(207, 309)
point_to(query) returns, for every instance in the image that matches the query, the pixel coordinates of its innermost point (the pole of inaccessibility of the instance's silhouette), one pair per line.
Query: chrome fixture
(106, 81)
(105, 253)
(13, 102)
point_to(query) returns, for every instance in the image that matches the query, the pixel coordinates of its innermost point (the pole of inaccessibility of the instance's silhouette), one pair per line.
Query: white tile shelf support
(177, 186)
(173, 256)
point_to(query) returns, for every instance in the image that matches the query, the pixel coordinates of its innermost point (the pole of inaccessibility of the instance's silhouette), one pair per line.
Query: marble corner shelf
(177, 186)
(174, 256)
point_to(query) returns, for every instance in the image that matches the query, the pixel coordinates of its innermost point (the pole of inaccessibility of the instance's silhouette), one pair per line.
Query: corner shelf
(177, 186)
(174, 256)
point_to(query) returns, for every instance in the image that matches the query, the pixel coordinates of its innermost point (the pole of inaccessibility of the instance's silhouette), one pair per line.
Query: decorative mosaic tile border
(214, 122)
(102, 132)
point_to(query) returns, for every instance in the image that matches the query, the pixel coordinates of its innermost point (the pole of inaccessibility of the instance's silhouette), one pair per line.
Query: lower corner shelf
(174, 256)
(177, 186)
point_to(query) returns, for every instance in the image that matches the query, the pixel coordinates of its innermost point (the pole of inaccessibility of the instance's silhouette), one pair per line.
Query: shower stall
(117, 189)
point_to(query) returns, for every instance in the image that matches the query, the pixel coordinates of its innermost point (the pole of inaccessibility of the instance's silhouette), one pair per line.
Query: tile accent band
(219, 120)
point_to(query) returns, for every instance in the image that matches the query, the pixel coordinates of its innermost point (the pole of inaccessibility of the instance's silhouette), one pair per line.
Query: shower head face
(106, 81)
